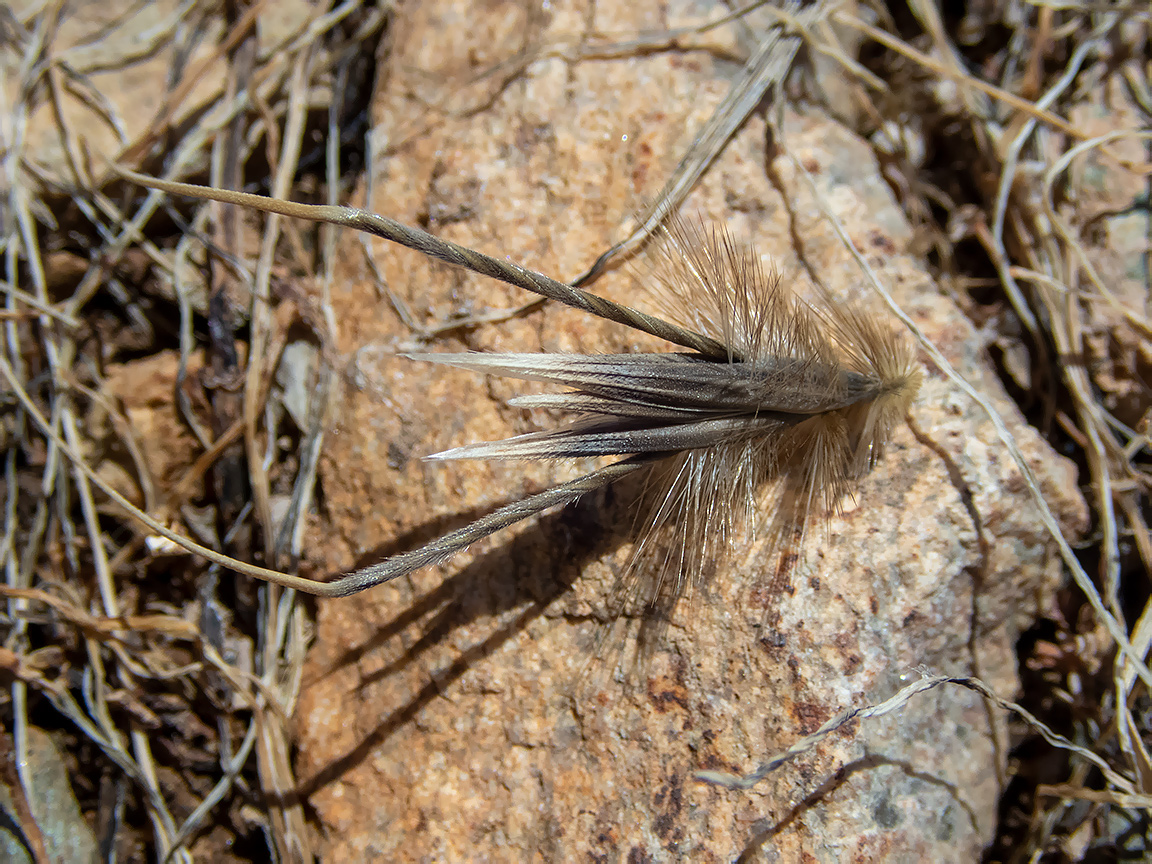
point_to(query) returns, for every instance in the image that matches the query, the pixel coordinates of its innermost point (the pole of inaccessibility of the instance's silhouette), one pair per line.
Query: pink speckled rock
(437, 720)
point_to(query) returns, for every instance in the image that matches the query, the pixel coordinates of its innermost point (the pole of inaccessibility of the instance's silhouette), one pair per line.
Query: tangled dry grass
(179, 359)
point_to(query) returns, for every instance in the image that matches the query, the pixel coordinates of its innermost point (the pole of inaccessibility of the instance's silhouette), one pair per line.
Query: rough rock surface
(438, 719)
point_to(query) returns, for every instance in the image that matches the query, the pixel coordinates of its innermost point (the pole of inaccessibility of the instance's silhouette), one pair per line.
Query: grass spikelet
(826, 384)
(778, 404)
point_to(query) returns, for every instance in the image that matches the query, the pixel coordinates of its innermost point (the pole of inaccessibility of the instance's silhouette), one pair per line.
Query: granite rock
(440, 717)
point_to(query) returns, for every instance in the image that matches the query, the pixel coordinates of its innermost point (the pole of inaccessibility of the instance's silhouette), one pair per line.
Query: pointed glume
(779, 400)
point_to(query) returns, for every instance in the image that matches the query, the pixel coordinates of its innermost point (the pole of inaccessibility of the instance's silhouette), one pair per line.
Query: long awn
(774, 395)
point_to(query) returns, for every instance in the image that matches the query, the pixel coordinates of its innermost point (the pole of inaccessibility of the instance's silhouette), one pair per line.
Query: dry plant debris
(170, 687)
(188, 357)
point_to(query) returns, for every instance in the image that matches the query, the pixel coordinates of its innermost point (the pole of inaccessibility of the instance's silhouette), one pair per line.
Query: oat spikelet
(829, 383)
(773, 395)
